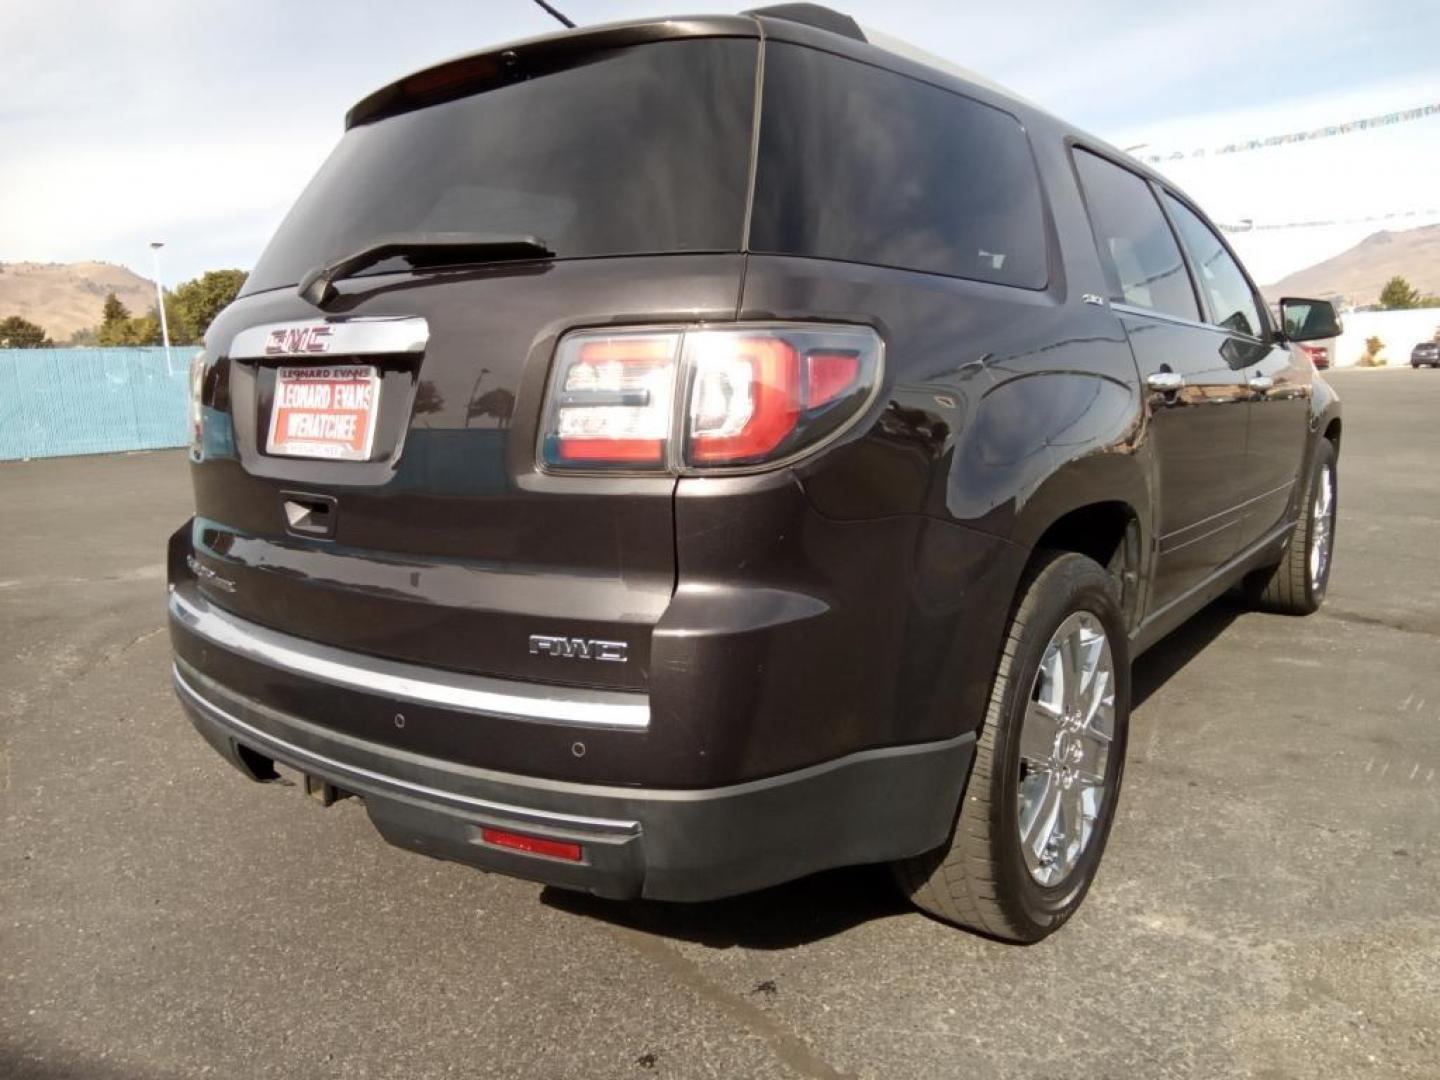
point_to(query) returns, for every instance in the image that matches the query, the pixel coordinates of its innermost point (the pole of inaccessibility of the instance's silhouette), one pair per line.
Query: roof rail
(816, 15)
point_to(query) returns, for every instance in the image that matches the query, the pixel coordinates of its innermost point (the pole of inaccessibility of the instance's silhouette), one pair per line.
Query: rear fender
(1056, 442)
(1047, 443)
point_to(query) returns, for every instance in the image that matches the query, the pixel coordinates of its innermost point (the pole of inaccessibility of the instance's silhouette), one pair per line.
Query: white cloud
(122, 120)
(75, 201)
(1369, 173)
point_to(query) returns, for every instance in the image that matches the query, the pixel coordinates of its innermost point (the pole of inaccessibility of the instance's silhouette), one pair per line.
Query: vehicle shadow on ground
(65, 1064)
(1170, 655)
(783, 917)
(829, 903)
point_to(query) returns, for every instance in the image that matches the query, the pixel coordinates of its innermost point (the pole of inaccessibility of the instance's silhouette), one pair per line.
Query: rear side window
(1232, 303)
(633, 151)
(1138, 252)
(867, 166)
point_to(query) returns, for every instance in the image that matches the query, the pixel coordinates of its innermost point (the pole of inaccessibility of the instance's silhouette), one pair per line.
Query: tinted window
(1138, 251)
(867, 166)
(1232, 304)
(633, 151)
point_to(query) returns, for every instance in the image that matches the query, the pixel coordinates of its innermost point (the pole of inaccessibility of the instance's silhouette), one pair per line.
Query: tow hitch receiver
(322, 791)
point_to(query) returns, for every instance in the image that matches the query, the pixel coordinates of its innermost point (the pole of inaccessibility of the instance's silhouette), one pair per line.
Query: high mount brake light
(698, 399)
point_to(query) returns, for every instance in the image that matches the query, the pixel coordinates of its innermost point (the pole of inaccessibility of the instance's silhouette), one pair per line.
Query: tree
(118, 328)
(1398, 294)
(18, 333)
(499, 404)
(114, 322)
(189, 310)
(193, 305)
(145, 330)
(428, 399)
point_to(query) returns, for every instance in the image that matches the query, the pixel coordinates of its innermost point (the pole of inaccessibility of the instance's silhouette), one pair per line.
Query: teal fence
(55, 402)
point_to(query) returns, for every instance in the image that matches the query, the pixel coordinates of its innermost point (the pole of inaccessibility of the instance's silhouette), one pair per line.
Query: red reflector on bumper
(532, 845)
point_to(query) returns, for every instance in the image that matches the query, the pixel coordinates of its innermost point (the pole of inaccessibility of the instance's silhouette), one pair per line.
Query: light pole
(155, 246)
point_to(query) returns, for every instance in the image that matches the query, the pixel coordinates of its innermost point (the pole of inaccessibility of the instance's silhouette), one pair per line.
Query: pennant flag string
(1369, 123)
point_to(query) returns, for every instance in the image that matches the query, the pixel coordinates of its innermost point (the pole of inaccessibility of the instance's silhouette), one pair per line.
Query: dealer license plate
(324, 412)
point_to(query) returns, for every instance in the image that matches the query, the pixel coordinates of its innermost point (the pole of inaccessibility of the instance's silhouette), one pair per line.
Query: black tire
(979, 878)
(1290, 587)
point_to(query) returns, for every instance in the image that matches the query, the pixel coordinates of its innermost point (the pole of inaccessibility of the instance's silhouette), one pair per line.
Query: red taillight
(612, 450)
(533, 845)
(745, 399)
(752, 395)
(613, 402)
(830, 375)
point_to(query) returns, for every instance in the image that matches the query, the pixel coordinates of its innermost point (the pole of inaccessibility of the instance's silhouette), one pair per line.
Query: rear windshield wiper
(422, 249)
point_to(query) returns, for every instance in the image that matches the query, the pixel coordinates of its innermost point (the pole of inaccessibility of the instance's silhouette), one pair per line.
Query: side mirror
(1309, 320)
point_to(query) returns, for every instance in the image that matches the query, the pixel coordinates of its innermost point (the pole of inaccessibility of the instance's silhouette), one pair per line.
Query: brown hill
(65, 297)
(1359, 274)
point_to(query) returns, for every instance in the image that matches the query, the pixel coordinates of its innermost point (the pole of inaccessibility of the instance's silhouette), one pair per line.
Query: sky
(198, 122)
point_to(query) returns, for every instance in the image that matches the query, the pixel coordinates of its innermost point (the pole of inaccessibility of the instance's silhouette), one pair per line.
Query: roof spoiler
(822, 18)
(524, 59)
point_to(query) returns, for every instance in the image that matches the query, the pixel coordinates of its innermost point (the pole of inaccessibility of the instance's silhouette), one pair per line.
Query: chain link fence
(55, 402)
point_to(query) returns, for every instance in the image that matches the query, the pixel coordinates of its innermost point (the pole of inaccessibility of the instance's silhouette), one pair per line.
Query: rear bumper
(687, 844)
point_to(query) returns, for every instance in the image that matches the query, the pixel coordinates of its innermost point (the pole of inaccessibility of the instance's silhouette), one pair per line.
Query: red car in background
(1320, 352)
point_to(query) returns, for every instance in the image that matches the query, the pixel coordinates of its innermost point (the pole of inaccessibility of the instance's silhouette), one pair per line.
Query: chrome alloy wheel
(1322, 529)
(1065, 748)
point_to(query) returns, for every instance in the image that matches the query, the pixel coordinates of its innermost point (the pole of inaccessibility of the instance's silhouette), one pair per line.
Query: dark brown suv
(666, 459)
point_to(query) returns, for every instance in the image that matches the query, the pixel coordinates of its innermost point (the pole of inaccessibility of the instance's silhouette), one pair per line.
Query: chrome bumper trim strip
(410, 682)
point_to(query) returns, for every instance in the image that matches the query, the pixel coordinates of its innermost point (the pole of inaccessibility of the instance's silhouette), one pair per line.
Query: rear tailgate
(449, 548)
(439, 541)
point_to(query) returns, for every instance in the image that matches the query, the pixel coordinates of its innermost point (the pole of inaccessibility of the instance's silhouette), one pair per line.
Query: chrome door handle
(1260, 383)
(1167, 382)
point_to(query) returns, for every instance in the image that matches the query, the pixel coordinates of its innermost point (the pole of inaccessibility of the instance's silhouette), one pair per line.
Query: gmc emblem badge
(574, 648)
(288, 341)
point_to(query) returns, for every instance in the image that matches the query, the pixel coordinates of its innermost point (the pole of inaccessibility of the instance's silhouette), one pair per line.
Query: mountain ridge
(66, 297)
(1357, 274)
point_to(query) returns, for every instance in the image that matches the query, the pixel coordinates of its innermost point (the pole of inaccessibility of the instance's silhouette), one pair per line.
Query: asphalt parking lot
(1269, 906)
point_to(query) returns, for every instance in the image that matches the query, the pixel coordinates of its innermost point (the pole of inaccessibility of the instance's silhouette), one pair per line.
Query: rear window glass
(632, 151)
(864, 165)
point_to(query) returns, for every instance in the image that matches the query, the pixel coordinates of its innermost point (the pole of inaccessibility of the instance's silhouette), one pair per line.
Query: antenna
(561, 18)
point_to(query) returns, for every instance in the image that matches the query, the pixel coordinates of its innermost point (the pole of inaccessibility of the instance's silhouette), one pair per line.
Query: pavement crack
(134, 641)
(792, 1050)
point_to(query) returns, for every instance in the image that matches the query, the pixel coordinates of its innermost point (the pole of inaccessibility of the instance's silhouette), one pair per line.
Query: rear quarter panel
(1001, 410)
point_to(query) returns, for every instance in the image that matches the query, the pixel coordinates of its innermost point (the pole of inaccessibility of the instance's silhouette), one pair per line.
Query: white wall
(1400, 330)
